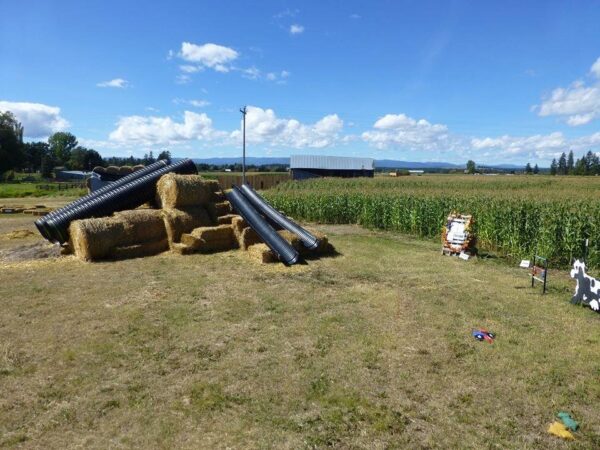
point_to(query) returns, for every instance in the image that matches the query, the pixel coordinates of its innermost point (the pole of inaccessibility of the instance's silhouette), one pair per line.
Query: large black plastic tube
(41, 222)
(284, 251)
(308, 239)
(128, 196)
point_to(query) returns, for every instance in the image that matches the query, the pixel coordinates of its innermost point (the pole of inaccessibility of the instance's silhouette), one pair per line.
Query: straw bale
(142, 225)
(291, 239)
(176, 191)
(262, 253)
(238, 223)
(95, 238)
(139, 250)
(125, 170)
(99, 169)
(181, 248)
(324, 246)
(113, 170)
(137, 167)
(220, 232)
(218, 209)
(184, 220)
(247, 238)
(226, 219)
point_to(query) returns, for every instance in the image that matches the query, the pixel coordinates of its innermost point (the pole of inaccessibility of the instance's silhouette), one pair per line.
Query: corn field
(514, 216)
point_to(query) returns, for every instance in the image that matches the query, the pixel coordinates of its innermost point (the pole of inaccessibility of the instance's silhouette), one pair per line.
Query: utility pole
(243, 111)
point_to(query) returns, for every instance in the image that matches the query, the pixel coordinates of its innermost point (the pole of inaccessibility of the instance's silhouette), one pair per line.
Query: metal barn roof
(331, 162)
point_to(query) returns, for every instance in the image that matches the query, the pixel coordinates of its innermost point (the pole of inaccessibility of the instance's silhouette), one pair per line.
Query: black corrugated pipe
(284, 251)
(41, 222)
(308, 239)
(128, 196)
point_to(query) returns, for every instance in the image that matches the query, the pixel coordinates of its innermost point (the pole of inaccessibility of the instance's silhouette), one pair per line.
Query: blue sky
(413, 80)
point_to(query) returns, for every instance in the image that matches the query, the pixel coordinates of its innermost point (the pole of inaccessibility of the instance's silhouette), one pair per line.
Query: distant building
(303, 167)
(72, 175)
(416, 172)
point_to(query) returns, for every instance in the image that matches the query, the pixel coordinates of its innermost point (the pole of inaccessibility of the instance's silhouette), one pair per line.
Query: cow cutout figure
(587, 289)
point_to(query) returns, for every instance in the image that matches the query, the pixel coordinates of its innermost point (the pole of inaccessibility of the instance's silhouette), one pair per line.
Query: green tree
(579, 168)
(536, 169)
(47, 165)
(570, 163)
(61, 146)
(471, 167)
(528, 168)
(166, 155)
(553, 167)
(12, 155)
(34, 152)
(562, 164)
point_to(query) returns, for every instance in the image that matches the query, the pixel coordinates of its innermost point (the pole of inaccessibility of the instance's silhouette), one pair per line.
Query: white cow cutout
(587, 289)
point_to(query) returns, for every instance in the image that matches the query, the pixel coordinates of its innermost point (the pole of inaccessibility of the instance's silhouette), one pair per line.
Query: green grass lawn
(369, 349)
(19, 190)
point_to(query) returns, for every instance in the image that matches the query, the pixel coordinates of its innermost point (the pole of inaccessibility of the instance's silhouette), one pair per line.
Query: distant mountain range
(379, 163)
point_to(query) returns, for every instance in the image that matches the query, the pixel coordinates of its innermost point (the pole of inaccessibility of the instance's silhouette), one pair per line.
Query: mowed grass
(16, 190)
(369, 349)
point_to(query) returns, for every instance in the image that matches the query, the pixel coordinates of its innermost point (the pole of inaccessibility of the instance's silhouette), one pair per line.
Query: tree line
(60, 150)
(588, 164)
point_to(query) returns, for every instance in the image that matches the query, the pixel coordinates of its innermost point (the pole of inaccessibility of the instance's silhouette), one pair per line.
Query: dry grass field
(368, 349)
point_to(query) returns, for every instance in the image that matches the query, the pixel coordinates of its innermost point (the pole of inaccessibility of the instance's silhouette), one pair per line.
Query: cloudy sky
(507, 82)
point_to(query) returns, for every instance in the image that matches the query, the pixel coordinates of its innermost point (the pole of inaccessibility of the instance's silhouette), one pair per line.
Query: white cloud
(578, 103)
(196, 103)
(271, 76)
(115, 83)
(285, 74)
(595, 69)
(251, 73)
(540, 146)
(402, 131)
(217, 57)
(151, 130)
(296, 29)
(190, 69)
(182, 78)
(38, 120)
(263, 126)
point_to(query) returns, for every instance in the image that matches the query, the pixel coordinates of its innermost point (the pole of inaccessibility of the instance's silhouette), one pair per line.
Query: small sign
(464, 256)
(525, 263)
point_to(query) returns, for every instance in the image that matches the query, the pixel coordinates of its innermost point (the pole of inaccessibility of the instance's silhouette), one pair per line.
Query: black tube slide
(127, 196)
(41, 222)
(308, 239)
(284, 251)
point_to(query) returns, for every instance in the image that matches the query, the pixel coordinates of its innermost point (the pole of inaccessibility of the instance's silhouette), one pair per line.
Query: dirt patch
(39, 250)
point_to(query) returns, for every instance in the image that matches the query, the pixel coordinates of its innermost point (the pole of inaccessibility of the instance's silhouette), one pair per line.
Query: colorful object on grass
(457, 236)
(558, 429)
(587, 289)
(482, 334)
(568, 421)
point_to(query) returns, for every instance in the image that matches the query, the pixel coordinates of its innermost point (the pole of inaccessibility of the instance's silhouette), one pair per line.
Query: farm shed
(311, 166)
(70, 175)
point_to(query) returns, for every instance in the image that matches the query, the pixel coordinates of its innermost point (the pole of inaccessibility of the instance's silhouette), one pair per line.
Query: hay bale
(220, 232)
(247, 238)
(112, 170)
(125, 170)
(262, 253)
(137, 167)
(226, 219)
(142, 225)
(238, 223)
(219, 209)
(184, 220)
(181, 248)
(95, 238)
(99, 170)
(139, 250)
(176, 191)
(210, 239)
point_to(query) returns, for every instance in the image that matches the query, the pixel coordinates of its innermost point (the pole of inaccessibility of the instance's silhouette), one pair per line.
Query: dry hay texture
(97, 238)
(139, 250)
(176, 191)
(218, 209)
(262, 253)
(226, 219)
(210, 239)
(125, 170)
(183, 220)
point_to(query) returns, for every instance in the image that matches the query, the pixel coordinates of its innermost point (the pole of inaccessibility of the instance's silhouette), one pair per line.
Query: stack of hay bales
(127, 234)
(194, 218)
(197, 218)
